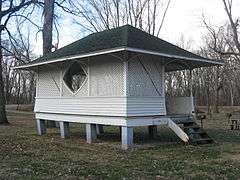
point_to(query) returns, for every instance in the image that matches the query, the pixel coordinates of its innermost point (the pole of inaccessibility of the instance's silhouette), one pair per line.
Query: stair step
(192, 127)
(189, 124)
(196, 134)
(202, 141)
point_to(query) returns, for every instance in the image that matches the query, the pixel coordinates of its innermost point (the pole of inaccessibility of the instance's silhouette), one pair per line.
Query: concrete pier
(127, 137)
(41, 127)
(64, 129)
(91, 132)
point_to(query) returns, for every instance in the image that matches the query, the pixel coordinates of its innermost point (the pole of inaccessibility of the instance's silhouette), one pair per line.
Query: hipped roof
(124, 38)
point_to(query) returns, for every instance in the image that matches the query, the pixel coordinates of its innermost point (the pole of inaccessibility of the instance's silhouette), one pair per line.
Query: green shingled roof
(124, 36)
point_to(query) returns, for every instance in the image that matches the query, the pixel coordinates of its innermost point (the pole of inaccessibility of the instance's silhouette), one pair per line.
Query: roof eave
(95, 53)
(106, 51)
(217, 62)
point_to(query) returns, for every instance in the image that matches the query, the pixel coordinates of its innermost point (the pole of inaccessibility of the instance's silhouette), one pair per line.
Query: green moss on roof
(124, 36)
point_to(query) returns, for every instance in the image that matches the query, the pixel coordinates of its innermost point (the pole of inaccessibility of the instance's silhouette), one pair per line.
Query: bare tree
(94, 15)
(223, 43)
(234, 25)
(8, 9)
(19, 85)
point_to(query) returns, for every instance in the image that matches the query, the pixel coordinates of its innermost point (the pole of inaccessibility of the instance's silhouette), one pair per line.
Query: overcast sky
(184, 18)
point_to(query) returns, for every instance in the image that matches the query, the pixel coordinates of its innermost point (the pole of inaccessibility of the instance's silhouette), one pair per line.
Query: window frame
(84, 82)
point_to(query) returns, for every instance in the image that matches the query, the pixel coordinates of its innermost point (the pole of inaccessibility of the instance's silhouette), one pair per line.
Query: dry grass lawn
(25, 155)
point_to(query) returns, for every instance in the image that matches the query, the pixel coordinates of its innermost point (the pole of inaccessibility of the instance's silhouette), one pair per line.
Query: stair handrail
(178, 131)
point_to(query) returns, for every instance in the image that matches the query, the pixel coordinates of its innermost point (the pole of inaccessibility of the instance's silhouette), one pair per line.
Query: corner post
(64, 129)
(91, 133)
(191, 91)
(191, 83)
(127, 137)
(41, 127)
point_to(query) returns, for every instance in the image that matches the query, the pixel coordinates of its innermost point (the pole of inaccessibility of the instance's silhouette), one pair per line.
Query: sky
(184, 18)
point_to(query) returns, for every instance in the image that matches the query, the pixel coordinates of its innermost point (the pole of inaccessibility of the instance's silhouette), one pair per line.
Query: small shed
(114, 77)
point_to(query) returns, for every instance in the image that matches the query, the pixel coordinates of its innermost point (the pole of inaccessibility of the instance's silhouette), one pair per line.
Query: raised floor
(94, 125)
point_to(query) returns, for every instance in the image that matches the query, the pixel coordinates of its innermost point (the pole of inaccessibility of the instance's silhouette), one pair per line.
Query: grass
(25, 155)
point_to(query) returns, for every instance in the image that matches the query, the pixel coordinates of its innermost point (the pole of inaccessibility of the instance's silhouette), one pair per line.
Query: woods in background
(212, 86)
(216, 85)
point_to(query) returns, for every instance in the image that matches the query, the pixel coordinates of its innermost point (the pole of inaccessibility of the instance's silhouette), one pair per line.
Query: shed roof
(124, 38)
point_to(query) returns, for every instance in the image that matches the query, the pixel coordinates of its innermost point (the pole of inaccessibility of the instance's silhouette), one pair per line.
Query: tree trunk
(217, 89)
(7, 89)
(19, 90)
(48, 14)
(208, 100)
(3, 117)
(31, 89)
(216, 104)
(231, 96)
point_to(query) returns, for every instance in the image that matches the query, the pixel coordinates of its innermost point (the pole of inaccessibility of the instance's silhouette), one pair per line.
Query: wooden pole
(191, 83)
(191, 93)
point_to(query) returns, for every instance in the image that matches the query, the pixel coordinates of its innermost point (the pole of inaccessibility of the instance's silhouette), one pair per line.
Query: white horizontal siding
(114, 106)
(103, 106)
(145, 106)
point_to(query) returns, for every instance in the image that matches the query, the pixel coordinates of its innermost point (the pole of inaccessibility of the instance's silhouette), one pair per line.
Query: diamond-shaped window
(75, 77)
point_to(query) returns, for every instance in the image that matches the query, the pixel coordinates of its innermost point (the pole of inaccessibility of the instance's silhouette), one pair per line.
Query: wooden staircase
(196, 134)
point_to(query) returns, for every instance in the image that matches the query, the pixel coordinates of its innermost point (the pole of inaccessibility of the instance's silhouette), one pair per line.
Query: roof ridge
(125, 34)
